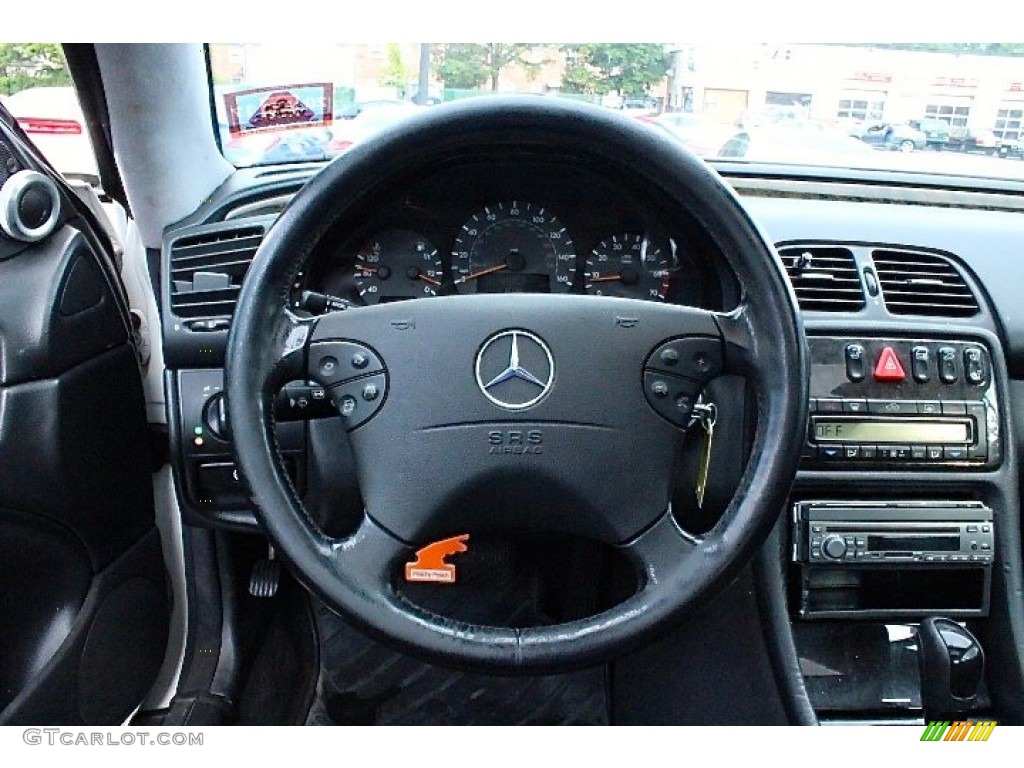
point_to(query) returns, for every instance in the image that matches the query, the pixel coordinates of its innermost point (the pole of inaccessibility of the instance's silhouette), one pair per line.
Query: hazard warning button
(889, 367)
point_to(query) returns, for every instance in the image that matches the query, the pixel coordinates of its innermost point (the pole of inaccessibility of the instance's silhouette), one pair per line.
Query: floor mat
(363, 682)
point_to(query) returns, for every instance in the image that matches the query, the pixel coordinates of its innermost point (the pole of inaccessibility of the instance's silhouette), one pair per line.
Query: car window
(964, 97)
(36, 89)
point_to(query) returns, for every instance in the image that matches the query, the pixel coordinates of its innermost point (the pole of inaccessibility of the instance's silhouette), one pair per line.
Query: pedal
(266, 575)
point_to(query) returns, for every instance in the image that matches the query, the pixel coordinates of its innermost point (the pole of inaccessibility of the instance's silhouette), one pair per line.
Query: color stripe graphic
(960, 730)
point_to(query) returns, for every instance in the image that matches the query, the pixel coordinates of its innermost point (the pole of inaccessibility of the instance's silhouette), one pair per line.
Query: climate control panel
(911, 403)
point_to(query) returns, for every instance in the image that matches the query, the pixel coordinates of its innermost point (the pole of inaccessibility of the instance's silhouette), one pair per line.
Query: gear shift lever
(952, 667)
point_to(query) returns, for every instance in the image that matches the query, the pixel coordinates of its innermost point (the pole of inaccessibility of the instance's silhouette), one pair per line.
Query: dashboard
(850, 607)
(541, 227)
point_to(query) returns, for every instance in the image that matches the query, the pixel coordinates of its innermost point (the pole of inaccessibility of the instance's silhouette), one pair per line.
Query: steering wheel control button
(684, 406)
(659, 388)
(298, 402)
(856, 367)
(675, 373)
(329, 366)
(948, 373)
(697, 358)
(334, 362)
(515, 369)
(921, 364)
(974, 366)
(360, 399)
(889, 368)
(671, 396)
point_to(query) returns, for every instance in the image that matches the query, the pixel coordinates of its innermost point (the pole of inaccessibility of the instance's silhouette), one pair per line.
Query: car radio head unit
(880, 559)
(877, 533)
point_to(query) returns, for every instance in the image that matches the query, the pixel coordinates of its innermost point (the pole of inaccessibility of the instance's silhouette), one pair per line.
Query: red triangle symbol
(889, 367)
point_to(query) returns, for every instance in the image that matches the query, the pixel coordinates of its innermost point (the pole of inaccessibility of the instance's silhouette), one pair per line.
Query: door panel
(82, 580)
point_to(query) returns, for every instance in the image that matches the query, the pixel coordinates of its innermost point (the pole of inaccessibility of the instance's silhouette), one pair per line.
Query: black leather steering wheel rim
(762, 339)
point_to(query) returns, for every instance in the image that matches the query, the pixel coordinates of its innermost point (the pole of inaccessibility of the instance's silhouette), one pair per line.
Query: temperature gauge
(397, 264)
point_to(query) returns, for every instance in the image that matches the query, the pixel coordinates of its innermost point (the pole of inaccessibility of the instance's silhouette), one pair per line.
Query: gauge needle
(482, 272)
(426, 279)
(606, 279)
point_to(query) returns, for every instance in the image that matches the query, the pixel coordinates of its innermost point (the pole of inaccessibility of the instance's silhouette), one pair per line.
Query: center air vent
(207, 271)
(923, 284)
(825, 278)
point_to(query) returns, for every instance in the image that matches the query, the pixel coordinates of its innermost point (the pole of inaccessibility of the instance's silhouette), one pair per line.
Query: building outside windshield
(947, 107)
(953, 108)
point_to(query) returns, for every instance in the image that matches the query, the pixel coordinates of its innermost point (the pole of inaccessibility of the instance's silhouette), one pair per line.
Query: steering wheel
(556, 413)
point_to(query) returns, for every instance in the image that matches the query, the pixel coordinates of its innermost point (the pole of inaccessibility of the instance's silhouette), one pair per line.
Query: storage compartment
(907, 592)
(860, 668)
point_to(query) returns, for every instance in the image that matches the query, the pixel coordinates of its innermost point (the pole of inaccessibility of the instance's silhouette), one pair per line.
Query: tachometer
(397, 264)
(628, 266)
(513, 247)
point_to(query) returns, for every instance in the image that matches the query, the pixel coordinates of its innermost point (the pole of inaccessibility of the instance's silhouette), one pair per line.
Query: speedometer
(513, 247)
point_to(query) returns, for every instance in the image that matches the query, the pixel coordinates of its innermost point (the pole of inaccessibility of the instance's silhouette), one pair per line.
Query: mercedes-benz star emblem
(514, 369)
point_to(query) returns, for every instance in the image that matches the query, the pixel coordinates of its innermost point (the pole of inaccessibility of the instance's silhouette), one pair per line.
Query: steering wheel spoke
(739, 341)
(369, 558)
(659, 551)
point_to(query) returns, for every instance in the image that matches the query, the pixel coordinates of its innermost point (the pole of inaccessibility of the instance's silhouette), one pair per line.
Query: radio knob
(834, 547)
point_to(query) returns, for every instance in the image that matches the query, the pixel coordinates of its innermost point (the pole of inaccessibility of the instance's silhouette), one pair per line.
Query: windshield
(953, 108)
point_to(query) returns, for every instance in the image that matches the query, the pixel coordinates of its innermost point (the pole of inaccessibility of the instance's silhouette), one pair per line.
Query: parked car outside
(374, 116)
(356, 108)
(936, 131)
(974, 140)
(698, 133)
(891, 136)
(1011, 149)
(637, 105)
(53, 120)
(792, 144)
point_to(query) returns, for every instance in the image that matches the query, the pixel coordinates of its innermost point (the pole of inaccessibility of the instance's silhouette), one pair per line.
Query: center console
(888, 529)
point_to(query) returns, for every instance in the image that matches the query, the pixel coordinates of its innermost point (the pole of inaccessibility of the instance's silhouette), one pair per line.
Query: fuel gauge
(397, 264)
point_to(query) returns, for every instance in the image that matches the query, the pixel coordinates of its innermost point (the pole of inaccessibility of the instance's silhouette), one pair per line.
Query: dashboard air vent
(825, 278)
(923, 284)
(207, 271)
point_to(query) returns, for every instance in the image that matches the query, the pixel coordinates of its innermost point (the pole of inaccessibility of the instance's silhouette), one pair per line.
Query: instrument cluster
(580, 236)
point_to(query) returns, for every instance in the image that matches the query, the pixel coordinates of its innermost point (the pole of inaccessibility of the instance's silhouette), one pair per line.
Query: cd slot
(846, 528)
